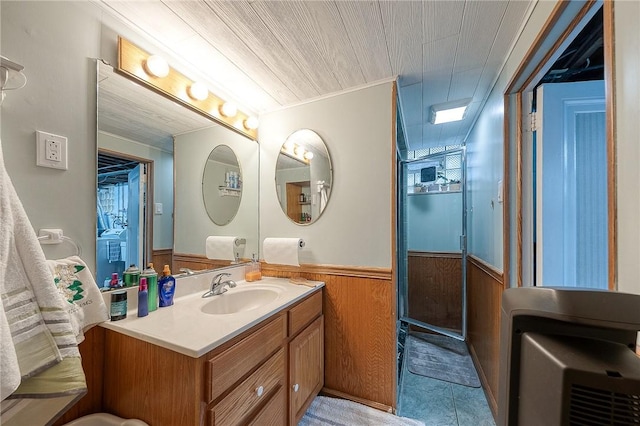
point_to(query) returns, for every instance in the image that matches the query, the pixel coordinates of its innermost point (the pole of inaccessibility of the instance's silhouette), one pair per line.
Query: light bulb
(228, 109)
(198, 91)
(308, 155)
(156, 66)
(299, 151)
(251, 123)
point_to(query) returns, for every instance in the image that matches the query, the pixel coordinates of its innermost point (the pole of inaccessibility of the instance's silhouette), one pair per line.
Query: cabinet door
(306, 368)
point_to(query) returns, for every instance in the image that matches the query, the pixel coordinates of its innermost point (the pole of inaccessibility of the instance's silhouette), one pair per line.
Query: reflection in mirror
(193, 224)
(303, 176)
(136, 129)
(222, 185)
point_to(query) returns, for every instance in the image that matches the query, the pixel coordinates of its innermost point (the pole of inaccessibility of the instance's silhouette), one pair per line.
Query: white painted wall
(162, 182)
(355, 228)
(627, 57)
(192, 223)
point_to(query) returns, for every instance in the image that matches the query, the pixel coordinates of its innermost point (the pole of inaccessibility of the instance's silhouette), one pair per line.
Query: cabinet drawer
(302, 314)
(243, 399)
(274, 413)
(231, 365)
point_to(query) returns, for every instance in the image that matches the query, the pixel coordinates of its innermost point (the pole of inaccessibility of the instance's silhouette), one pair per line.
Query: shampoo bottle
(152, 283)
(143, 298)
(166, 287)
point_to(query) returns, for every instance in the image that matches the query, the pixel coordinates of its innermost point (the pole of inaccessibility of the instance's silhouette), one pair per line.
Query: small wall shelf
(229, 192)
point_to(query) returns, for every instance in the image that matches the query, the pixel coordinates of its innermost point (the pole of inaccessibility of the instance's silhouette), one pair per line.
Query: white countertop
(184, 328)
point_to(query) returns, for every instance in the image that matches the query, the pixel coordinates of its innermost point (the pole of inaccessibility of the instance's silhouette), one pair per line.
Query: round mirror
(303, 176)
(222, 185)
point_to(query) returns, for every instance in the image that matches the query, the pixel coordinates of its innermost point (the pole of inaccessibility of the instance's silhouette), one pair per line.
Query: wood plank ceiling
(269, 54)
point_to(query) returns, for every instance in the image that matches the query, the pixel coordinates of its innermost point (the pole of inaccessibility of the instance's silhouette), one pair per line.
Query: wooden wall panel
(484, 298)
(162, 257)
(92, 352)
(435, 288)
(359, 307)
(196, 262)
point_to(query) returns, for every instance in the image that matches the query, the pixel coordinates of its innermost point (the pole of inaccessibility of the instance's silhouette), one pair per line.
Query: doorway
(123, 214)
(566, 191)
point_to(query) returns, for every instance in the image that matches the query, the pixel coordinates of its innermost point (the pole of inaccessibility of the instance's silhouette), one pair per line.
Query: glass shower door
(432, 243)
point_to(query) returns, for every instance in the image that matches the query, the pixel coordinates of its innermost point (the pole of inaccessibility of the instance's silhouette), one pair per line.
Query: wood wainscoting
(359, 308)
(435, 288)
(484, 298)
(196, 262)
(160, 258)
(92, 352)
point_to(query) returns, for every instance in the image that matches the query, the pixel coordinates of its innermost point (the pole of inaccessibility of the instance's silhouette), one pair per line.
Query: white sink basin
(239, 300)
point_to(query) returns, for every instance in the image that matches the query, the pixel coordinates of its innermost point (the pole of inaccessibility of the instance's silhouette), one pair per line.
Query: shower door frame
(403, 279)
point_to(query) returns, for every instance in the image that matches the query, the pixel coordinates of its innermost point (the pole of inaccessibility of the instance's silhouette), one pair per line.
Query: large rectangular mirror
(168, 178)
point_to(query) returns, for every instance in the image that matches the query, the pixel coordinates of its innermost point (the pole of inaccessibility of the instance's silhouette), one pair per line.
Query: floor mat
(441, 358)
(325, 411)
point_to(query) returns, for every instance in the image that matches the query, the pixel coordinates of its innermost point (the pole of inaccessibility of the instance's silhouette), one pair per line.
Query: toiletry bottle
(143, 298)
(114, 283)
(166, 287)
(152, 283)
(131, 276)
(253, 272)
(118, 308)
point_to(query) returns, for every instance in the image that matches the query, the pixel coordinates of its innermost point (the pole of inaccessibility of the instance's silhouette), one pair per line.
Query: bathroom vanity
(183, 365)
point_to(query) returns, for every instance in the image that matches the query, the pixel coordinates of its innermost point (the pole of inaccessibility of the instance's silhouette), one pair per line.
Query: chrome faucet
(218, 286)
(187, 271)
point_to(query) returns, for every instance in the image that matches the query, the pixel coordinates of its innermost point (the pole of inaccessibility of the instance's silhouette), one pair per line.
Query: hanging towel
(9, 368)
(40, 326)
(80, 294)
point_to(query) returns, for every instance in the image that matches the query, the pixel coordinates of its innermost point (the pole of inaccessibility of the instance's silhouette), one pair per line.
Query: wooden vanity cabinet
(268, 375)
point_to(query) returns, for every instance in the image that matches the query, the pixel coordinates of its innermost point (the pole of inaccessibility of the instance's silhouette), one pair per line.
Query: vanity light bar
(297, 152)
(135, 63)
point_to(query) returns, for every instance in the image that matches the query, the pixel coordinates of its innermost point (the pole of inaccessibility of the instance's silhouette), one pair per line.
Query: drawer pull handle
(260, 391)
(296, 387)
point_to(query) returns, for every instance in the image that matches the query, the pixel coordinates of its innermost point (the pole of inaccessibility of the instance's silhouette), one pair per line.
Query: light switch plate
(51, 151)
(157, 208)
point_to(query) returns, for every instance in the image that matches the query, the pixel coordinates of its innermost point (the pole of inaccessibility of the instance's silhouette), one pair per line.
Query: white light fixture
(251, 123)
(449, 111)
(308, 155)
(198, 91)
(156, 66)
(299, 151)
(228, 109)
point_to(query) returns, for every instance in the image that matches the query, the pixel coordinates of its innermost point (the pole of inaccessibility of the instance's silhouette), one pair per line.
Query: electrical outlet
(51, 150)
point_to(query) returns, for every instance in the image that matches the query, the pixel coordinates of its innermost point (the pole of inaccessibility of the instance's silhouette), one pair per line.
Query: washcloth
(80, 293)
(40, 327)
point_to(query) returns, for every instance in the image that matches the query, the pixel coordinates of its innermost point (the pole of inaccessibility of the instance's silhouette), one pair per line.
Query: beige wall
(355, 228)
(55, 42)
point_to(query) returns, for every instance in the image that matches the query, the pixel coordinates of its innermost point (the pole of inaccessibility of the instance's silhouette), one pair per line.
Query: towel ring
(50, 239)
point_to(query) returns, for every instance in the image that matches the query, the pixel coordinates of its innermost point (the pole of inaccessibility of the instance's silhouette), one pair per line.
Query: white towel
(9, 368)
(80, 294)
(41, 333)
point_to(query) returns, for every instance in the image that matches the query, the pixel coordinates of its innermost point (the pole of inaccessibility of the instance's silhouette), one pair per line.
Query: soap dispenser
(252, 271)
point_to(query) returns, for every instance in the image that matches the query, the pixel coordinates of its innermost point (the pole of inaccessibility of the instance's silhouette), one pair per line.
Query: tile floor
(440, 403)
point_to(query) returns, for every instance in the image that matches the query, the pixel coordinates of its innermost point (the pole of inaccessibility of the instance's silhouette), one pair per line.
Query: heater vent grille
(593, 407)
